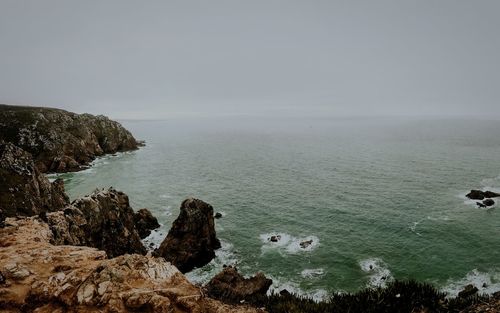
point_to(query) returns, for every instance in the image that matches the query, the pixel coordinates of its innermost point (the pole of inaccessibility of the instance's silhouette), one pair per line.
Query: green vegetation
(399, 296)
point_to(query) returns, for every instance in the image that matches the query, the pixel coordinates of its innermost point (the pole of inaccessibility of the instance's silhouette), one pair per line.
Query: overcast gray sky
(154, 59)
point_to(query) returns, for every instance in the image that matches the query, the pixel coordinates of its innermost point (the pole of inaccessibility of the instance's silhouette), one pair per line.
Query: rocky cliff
(24, 191)
(103, 220)
(62, 141)
(36, 276)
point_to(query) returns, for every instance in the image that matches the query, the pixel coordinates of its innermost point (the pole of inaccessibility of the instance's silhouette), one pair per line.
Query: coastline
(296, 242)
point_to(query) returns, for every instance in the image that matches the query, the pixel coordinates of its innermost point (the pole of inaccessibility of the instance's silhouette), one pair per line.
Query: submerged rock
(488, 202)
(62, 141)
(231, 286)
(218, 215)
(275, 238)
(306, 243)
(24, 191)
(103, 219)
(145, 222)
(191, 242)
(481, 195)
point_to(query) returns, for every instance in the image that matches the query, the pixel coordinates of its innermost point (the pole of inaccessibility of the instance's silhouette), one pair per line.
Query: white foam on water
(165, 196)
(486, 283)
(312, 273)
(223, 256)
(439, 218)
(288, 243)
(154, 239)
(278, 285)
(378, 270)
(413, 228)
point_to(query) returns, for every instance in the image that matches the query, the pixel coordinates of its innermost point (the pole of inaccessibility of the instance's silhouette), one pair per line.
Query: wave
(312, 273)
(289, 243)
(223, 256)
(278, 285)
(154, 239)
(486, 283)
(379, 273)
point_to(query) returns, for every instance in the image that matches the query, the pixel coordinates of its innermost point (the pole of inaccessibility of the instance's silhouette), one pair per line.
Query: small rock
(218, 215)
(305, 244)
(488, 202)
(480, 205)
(468, 291)
(2, 279)
(275, 238)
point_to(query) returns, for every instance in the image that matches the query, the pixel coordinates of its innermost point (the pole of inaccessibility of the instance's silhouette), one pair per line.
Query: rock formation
(103, 220)
(62, 141)
(488, 202)
(191, 242)
(481, 195)
(40, 277)
(231, 286)
(24, 191)
(145, 222)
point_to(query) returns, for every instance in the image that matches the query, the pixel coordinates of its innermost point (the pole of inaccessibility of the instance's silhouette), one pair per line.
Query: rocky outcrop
(103, 220)
(145, 222)
(40, 277)
(230, 286)
(481, 195)
(24, 191)
(62, 141)
(468, 291)
(191, 242)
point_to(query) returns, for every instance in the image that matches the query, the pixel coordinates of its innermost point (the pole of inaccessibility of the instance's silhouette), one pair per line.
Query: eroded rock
(103, 219)
(230, 286)
(191, 242)
(145, 222)
(78, 279)
(24, 191)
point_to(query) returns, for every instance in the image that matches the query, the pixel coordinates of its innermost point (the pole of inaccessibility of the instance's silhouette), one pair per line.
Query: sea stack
(191, 242)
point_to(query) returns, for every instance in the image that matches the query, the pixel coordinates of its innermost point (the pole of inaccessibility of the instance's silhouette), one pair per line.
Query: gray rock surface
(24, 191)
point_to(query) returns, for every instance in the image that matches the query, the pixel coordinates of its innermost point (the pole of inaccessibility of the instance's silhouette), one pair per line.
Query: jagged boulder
(230, 286)
(191, 242)
(145, 222)
(24, 191)
(40, 277)
(62, 141)
(103, 219)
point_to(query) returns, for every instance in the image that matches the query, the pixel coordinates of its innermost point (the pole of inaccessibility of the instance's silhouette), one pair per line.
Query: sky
(156, 59)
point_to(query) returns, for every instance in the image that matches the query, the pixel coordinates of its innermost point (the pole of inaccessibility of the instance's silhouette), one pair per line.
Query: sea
(381, 198)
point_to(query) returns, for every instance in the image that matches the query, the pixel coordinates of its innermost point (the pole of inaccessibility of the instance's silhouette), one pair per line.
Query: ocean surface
(380, 198)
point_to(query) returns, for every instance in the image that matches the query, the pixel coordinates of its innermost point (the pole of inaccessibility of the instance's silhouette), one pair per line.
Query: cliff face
(62, 141)
(38, 276)
(103, 220)
(24, 191)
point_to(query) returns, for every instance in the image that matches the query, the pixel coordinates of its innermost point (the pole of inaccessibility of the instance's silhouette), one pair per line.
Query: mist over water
(381, 198)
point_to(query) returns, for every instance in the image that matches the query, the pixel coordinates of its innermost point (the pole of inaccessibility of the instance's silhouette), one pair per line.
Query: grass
(399, 296)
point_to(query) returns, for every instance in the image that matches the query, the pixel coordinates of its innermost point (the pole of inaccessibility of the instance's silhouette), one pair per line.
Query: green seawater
(381, 198)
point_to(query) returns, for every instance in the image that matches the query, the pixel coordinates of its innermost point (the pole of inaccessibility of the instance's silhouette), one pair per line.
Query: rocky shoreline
(88, 255)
